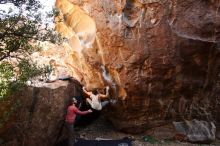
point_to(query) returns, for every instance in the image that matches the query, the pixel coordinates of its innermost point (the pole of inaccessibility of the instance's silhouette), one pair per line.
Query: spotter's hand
(90, 111)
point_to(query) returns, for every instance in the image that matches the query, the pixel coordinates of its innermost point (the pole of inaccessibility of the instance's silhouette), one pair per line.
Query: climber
(72, 111)
(95, 98)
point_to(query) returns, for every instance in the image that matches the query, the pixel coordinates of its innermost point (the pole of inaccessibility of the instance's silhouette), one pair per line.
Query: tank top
(95, 104)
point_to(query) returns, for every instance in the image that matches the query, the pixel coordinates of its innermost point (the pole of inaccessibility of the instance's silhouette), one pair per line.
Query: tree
(20, 33)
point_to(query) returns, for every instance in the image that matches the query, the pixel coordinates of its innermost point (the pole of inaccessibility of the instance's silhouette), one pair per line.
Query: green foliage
(19, 34)
(47, 69)
(27, 70)
(6, 73)
(11, 81)
(29, 3)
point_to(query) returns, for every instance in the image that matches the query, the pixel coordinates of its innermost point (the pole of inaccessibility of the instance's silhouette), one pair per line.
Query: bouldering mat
(119, 142)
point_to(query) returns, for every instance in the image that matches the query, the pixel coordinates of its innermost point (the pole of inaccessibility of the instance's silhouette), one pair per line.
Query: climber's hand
(90, 111)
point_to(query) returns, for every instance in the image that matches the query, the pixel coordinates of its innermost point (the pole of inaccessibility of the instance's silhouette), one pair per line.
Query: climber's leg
(104, 103)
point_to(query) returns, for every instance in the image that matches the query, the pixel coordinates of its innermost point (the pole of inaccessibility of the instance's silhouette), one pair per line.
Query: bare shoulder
(89, 93)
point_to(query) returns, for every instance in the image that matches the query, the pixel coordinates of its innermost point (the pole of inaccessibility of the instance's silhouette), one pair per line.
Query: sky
(47, 6)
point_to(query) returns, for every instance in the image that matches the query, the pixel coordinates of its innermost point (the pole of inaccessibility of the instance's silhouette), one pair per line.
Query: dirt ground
(102, 129)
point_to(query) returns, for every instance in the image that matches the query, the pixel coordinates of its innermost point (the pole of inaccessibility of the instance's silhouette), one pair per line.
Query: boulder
(159, 57)
(196, 131)
(39, 120)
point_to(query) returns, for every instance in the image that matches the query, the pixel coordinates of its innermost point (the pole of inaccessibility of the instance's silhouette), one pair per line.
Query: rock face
(196, 131)
(159, 57)
(40, 118)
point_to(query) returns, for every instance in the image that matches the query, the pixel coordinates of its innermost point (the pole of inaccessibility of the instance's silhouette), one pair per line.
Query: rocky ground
(102, 129)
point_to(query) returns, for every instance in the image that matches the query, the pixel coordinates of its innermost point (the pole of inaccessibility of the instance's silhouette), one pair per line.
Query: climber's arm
(104, 96)
(77, 111)
(86, 92)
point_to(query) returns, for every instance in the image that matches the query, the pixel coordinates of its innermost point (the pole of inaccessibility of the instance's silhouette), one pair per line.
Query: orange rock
(162, 56)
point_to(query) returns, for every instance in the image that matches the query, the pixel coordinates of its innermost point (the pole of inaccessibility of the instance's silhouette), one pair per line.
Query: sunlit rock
(78, 21)
(160, 58)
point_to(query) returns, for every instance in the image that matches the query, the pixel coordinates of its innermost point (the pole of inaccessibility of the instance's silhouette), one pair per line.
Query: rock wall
(40, 118)
(159, 57)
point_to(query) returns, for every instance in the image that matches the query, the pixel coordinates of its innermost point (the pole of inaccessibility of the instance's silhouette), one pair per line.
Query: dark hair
(73, 101)
(95, 92)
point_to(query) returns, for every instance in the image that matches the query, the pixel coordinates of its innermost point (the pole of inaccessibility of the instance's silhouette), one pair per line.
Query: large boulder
(196, 131)
(39, 120)
(159, 57)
